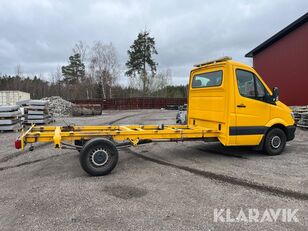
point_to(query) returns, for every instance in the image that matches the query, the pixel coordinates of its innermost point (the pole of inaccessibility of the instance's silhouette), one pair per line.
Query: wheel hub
(99, 157)
(275, 142)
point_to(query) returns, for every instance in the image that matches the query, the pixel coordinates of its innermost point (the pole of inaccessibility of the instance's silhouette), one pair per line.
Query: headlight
(292, 114)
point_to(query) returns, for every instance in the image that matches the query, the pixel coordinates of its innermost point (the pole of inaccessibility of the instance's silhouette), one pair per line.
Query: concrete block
(32, 112)
(37, 121)
(40, 117)
(10, 127)
(9, 108)
(9, 122)
(38, 102)
(10, 114)
(37, 107)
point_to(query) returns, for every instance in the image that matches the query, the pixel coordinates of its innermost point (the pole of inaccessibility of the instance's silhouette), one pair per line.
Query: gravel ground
(158, 186)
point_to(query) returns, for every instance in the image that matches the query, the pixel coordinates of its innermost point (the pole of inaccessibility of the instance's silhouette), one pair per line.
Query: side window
(209, 79)
(250, 86)
(245, 83)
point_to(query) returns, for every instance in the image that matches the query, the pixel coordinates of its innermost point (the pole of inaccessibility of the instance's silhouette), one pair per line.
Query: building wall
(284, 64)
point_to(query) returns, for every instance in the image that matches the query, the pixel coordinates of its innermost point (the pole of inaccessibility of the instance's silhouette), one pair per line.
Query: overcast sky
(39, 34)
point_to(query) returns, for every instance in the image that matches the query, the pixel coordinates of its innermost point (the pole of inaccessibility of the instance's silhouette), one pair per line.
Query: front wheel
(98, 157)
(275, 142)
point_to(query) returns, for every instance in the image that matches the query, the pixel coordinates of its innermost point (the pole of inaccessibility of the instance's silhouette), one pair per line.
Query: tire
(98, 157)
(275, 142)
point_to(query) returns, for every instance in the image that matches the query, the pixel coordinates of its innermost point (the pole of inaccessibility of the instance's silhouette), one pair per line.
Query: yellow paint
(57, 137)
(211, 113)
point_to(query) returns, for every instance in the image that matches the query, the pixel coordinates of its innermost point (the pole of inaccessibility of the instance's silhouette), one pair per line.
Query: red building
(282, 61)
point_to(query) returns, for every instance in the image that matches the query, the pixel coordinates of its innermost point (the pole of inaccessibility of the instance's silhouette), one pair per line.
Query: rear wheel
(98, 157)
(275, 142)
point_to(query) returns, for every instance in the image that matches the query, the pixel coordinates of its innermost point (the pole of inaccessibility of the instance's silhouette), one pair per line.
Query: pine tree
(140, 60)
(74, 72)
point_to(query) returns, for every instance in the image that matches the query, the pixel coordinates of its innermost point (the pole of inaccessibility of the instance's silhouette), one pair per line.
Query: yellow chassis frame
(131, 133)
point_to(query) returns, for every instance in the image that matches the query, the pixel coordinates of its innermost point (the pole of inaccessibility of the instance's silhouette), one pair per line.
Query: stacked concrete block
(301, 116)
(303, 121)
(22, 104)
(36, 112)
(297, 117)
(10, 118)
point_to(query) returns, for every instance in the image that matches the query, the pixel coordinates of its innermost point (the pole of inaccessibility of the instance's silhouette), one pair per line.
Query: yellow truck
(227, 102)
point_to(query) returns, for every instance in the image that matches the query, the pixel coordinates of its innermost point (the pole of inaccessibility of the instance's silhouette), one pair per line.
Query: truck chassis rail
(132, 133)
(98, 145)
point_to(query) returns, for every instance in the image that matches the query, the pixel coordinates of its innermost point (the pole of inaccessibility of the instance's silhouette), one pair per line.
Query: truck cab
(231, 97)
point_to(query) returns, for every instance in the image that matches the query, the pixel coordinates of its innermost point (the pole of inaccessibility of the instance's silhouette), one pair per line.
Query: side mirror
(275, 95)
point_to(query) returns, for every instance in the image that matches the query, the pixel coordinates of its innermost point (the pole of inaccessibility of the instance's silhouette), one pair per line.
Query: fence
(134, 103)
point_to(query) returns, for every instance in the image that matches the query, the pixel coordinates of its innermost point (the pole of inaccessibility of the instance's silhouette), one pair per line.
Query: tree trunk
(103, 90)
(110, 95)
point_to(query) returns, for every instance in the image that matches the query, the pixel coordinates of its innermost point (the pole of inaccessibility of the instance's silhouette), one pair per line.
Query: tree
(140, 60)
(18, 70)
(104, 67)
(82, 49)
(161, 81)
(56, 82)
(74, 72)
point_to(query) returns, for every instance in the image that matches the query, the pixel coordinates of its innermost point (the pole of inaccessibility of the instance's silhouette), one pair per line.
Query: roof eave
(249, 54)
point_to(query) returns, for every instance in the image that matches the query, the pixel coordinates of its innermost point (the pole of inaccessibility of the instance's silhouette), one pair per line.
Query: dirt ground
(158, 186)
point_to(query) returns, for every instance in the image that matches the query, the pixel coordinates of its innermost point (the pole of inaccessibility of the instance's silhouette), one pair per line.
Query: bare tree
(18, 70)
(56, 78)
(161, 80)
(104, 66)
(58, 75)
(82, 49)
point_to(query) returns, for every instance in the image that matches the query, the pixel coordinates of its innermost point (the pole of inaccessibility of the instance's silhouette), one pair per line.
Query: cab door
(252, 112)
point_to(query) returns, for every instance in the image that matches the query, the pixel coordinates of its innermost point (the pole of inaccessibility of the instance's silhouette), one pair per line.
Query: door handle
(241, 105)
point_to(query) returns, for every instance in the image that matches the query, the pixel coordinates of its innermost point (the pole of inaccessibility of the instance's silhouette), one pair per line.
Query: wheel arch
(281, 126)
(276, 122)
(277, 125)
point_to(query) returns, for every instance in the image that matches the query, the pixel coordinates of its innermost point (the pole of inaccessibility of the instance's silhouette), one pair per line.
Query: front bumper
(291, 132)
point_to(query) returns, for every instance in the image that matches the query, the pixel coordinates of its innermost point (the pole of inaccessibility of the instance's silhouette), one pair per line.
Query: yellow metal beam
(133, 133)
(57, 137)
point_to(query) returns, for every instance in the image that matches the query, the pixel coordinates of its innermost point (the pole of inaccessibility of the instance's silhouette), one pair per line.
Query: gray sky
(39, 34)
